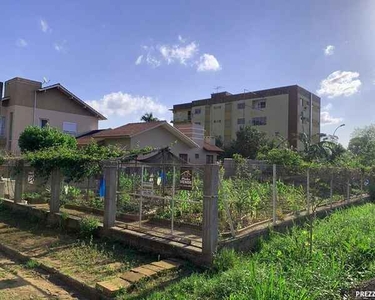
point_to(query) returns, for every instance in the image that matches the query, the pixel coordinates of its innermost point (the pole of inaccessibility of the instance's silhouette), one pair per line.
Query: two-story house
(27, 102)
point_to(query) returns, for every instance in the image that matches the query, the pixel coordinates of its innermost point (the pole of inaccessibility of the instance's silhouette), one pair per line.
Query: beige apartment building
(282, 113)
(26, 102)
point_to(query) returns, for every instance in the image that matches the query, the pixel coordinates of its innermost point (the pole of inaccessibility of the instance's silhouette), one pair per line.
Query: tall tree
(148, 117)
(362, 144)
(248, 143)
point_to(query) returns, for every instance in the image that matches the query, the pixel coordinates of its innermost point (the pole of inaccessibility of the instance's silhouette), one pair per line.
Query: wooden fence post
(210, 212)
(110, 179)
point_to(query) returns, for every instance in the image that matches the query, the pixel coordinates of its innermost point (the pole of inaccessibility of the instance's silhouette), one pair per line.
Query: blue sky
(129, 57)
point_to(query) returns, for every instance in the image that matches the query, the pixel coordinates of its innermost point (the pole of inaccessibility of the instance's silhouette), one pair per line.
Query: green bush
(88, 226)
(34, 138)
(32, 264)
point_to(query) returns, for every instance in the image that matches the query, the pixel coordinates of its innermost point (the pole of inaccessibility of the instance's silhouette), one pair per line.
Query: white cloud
(329, 50)
(44, 26)
(124, 104)
(181, 39)
(60, 46)
(327, 119)
(208, 62)
(153, 61)
(21, 43)
(327, 107)
(139, 60)
(180, 53)
(340, 83)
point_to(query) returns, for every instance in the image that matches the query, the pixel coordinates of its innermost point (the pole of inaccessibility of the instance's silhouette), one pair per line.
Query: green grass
(343, 255)
(32, 264)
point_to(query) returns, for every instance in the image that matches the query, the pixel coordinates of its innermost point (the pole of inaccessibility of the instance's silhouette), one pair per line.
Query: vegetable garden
(254, 194)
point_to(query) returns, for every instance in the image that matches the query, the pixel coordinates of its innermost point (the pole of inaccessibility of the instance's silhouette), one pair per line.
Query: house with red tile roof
(187, 142)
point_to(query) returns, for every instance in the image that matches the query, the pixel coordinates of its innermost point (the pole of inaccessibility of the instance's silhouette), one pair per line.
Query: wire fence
(85, 193)
(168, 198)
(165, 197)
(265, 193)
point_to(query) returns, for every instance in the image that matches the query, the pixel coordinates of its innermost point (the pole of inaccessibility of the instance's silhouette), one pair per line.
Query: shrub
(32, 264)
(88, 226)
(284, 157)
(34, 138)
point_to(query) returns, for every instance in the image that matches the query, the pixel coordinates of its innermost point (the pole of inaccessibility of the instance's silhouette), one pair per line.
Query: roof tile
(129, 129)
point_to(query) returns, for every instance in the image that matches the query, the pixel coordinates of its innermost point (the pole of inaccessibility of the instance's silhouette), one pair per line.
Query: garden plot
(88, 261)
(22, 282)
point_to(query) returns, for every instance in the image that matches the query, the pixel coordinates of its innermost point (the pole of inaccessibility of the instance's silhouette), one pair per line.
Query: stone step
(111, 287)
(126, 281)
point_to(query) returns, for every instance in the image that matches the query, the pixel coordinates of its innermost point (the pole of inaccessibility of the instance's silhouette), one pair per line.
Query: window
(183, 157)
(259, 104)
(259, 121)
(189, 115)
(241, 121)
(196, 156)
(197, 123)
(197, 111)
(70, 128)
(2, 126)
(209, 159)
(240, 105)
(217, 121)
(217, 107)
(43, 123)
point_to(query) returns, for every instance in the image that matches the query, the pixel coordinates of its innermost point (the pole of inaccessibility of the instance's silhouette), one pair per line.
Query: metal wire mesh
(246, 197)
(84, 193)
(151, 196)
(257, 193)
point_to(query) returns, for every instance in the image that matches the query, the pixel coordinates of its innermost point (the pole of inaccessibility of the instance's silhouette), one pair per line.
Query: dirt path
(18, 282)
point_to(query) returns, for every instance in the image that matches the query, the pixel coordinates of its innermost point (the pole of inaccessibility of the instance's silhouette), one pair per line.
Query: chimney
(193, 131)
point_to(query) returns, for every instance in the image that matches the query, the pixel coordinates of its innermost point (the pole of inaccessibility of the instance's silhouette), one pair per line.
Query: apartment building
(282, 113)
(27, 102)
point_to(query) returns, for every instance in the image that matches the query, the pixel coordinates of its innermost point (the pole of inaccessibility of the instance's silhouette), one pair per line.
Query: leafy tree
(284, 157)
(248, 143)
(148, 117)
(34, 138)
(76, 164)
(362, 144)
(219, 141)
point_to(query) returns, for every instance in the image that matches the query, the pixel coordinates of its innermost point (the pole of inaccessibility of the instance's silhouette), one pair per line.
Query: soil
(88, 261)
(18, 282)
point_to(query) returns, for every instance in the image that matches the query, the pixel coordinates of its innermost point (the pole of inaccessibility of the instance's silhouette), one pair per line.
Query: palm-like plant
(324, 150)
(148, 117)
